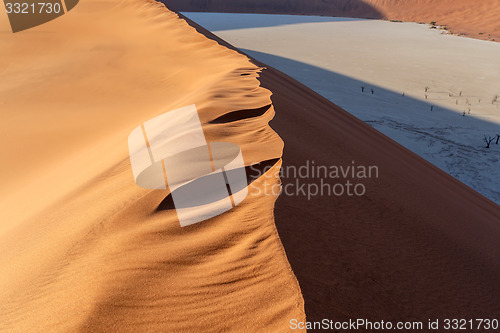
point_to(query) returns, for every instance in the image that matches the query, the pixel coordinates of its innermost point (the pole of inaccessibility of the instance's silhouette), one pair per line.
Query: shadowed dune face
(241, 114)
(253, 173)
(477, 19)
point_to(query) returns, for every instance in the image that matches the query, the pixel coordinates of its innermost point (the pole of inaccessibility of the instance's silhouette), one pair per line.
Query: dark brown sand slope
(419, 245)
(473, 18)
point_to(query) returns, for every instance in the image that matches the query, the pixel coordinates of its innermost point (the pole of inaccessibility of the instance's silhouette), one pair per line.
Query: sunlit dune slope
(82, 247)
(418, 245)
(478, 19)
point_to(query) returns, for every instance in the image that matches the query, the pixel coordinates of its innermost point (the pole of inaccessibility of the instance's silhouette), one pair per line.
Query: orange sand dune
(477, 19)
(82, 247)
(419, 245)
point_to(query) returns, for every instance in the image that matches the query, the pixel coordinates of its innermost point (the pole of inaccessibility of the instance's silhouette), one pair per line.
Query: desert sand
(477, 19)
(343, 59)
(85, 249)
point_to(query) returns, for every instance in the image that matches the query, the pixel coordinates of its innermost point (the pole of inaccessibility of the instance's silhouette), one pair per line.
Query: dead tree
(362, 89)
(488, 140)
(498, 138)
(427, 89)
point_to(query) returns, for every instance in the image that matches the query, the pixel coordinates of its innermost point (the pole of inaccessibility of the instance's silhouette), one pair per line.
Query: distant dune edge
(472, 18)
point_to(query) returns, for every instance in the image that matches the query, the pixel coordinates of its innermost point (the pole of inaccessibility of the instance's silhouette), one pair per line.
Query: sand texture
(82, 247)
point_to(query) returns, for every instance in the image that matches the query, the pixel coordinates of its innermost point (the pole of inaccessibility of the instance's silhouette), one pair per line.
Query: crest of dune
(83, 248)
